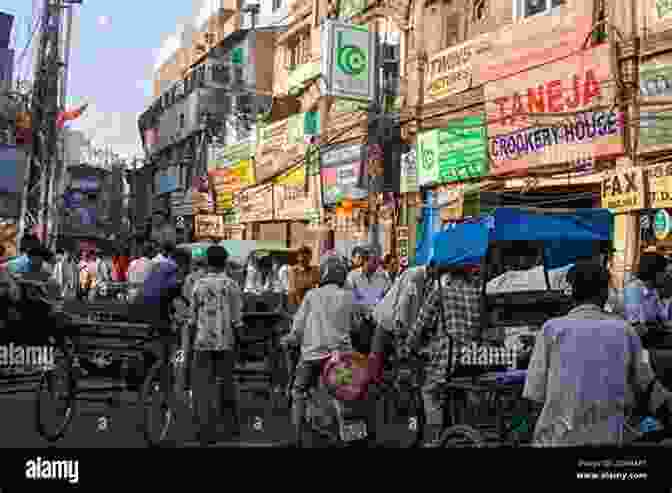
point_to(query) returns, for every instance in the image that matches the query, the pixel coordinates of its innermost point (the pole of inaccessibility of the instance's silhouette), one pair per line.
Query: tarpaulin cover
(566, 236)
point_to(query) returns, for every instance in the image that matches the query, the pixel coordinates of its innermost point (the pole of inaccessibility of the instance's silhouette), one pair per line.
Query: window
(181, 121)
(277, 4)
(528, 8)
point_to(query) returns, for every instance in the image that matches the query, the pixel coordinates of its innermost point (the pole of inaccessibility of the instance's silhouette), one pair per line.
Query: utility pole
(44, 111)
(56, 178)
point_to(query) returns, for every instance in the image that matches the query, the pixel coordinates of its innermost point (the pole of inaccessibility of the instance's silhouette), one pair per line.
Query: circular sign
(351, 60)
(662, 224)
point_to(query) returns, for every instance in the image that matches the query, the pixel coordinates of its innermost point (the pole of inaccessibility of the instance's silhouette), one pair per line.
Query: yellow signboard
(295, 177)
(228, 181)
(659, 178)
(623, 190)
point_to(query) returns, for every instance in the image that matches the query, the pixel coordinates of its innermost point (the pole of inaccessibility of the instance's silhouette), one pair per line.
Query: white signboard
(349, 64)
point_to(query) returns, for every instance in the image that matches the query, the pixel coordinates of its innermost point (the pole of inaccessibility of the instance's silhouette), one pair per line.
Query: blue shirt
(19, 265)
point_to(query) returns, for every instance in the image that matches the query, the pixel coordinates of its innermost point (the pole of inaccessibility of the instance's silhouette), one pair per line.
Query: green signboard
(454, 153)
(663, 8)
(350, 8)
(655, 81)
(302, 124)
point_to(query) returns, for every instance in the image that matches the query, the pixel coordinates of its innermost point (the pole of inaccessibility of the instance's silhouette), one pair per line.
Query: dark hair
(60, 251)
(388, 258)
(168, 248)
(589, 280)
(29, 242)
(148, 250)
(358, 250)
(649, 265)
(2, 250)
(217, 256)
(182, 257)
(305, 250)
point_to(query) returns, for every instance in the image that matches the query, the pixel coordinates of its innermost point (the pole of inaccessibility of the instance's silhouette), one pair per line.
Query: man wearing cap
(588, 369)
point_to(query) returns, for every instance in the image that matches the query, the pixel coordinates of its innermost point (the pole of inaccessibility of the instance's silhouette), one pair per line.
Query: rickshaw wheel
(158, 395)
(66, 397)
(462, 436)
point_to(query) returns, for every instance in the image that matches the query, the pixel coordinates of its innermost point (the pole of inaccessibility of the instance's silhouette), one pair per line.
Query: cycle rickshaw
(483, 404)
(116, 344)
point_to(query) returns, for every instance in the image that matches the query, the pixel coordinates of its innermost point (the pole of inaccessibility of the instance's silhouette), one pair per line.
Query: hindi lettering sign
(255, 204)
(228, 181)
(518, 143)
(655, 83)
(623, 190)
(340, 169)
(659, 178)
(209, 226)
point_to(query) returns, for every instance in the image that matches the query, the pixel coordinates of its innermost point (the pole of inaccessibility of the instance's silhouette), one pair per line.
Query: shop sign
(227, 181)
(663, 9)
(655, 82)
(623, 190)
(450, 72)
(209, 226)
(457, 152)
(291, 199)
(409, 173)
(255, 204)
(350, 8)
(300, 75)
(519, 142)
(340, 170)
(348, 60)
(403, 242)
(301, 125)
(659, 179)
(662, 224)
(225, 156)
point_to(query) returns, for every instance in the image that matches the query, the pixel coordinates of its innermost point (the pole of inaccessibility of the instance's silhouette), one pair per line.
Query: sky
(115, 45)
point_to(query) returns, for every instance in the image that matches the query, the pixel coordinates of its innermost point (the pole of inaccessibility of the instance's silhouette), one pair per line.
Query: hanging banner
(208, 226)
(291, 200)
(227, 181)
(340, 170)
(457, 152)
(623, 190)
(578, 86)
(255, 204)
(659, 179)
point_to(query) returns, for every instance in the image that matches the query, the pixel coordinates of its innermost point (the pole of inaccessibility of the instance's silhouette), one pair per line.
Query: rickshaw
(482, 404)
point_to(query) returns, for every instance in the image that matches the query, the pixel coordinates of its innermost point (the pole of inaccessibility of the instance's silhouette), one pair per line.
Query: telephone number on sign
(618, 203)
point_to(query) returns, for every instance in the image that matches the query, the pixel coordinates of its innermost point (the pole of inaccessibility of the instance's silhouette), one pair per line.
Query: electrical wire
(19, 60)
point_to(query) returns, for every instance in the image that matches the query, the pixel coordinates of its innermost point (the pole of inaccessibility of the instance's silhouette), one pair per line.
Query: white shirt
(324, 320)
(368, 290)
(138, 270)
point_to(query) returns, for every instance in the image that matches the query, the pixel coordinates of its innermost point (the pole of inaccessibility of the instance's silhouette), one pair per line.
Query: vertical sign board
(340, 172)
(659, 180)
(655, 83)
(623, 190)
(350, 63)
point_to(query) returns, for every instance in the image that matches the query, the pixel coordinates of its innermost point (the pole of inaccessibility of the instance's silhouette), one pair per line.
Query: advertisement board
(655, 83)
(340, 170)
(659, 178)
(522, 138)
(457, 152)
(208, 226)
(292, 200)
(227, 181)
(255, 203)
(623, 190)
(348, 60)
(409, 172)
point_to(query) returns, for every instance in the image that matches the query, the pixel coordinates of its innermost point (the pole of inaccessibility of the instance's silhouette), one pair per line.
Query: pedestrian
(369, 283)
(65, 274)
(643, 306)
(450, 318)
(357, 261)
(138, 271)
(589, 370)
(217, 304)
(120, 264)
(302, 278)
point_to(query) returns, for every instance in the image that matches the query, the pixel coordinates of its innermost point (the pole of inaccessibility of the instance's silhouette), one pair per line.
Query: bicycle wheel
(157, 398)
(461, 436)
(403, 420)
(49, 395)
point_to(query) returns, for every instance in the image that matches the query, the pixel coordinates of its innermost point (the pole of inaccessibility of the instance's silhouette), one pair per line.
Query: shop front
(255, 206)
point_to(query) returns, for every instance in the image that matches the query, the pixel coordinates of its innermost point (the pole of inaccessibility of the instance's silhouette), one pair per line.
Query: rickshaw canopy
(566, 234)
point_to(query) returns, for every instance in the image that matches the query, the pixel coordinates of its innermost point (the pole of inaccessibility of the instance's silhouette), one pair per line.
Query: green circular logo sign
(350, 59)
(662, 224)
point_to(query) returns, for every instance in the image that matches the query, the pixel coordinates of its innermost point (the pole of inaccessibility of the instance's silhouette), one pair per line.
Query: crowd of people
(588, 370)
